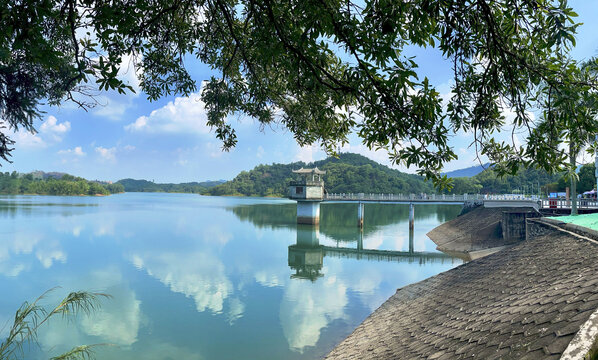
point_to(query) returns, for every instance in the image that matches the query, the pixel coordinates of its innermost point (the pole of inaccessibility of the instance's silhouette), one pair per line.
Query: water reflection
(194, 277)
(338, 221)
(306, 257)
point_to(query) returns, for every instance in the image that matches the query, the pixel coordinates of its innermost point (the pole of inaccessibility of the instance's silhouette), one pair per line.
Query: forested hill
(132, 185)
(349, 173)
(40, 183)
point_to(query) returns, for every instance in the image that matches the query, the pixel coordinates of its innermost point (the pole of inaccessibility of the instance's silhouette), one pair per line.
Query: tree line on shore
(527, 180)
(16, 184)
(132, 185)
(349, 173)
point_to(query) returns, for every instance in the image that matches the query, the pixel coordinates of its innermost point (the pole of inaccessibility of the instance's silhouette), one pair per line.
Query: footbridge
(309, 193)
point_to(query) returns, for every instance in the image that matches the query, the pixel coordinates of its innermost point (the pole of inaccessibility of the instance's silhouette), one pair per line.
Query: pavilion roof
(310, 171)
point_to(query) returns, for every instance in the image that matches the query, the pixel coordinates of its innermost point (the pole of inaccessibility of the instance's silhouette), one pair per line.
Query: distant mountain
(132, 185)
(467, 172)
(41, 175)
(349, 173)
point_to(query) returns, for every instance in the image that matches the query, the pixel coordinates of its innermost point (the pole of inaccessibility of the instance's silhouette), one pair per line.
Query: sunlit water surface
(195, 277)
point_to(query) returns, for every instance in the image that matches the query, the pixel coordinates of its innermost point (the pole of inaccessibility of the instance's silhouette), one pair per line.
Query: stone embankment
(536, 299)
(480, 231)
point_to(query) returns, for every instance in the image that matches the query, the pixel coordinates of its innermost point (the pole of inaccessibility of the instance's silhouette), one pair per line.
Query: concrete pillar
(308, 236)
(514, 226)
(360, 241)
(308, 212)
(411, 216)
(411, 249)
(360, 214)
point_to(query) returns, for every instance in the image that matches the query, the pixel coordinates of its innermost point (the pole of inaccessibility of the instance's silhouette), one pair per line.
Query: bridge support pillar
(411, 216)
(308, 212)
(360, 213)
(411, 247)
(360, 241)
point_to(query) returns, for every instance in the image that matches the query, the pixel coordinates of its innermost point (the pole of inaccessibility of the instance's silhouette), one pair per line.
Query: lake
(195, 277)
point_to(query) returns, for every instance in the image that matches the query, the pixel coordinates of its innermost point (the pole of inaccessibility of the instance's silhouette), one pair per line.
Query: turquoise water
(195, 277)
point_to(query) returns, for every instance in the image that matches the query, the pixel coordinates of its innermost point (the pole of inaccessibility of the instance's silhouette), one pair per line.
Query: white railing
(566, 204)
(428, 197)
(546, 203)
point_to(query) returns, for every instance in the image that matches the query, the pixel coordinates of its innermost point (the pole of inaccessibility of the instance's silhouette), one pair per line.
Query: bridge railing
(566, 204)
(423, 196)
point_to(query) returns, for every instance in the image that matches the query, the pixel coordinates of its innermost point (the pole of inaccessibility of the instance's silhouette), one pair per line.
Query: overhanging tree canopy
(321, 68)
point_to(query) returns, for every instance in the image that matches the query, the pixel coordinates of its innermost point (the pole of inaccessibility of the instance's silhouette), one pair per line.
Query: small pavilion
(309, 192)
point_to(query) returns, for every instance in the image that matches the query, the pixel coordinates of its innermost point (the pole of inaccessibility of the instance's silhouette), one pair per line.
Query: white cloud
(129, 147)
(47, 257)
(198, 275)
(16, 252)
(25, 139)
(77, 151)
(53, 130)
(307, 308)
(308, 153)
(235, 310)
(117, 321)
(106, 154)
(111, 107)
(184, 115)
(50, 132)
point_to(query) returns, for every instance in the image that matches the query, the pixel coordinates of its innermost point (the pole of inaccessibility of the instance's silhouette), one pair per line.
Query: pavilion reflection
(306, 257)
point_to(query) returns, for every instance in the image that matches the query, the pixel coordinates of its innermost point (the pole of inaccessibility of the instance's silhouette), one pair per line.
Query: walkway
(441, 198)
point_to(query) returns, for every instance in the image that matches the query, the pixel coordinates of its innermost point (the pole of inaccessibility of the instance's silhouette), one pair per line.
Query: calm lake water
(197, 277)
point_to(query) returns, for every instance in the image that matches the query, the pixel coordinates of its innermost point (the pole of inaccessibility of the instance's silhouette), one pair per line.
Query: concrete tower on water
(308, 190)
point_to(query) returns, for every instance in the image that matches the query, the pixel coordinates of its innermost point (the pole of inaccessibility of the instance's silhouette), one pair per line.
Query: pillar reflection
(306, 257)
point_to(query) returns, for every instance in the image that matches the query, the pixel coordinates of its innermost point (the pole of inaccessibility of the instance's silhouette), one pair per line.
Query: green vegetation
(132, 185)
(488, 182)
(321, 69)
(31, 316)
(526, 180)
(353, 173)
(15, 184)
(349, 173)
(338, 221)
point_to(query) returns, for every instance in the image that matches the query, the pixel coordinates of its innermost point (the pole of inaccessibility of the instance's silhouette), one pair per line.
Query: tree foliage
(587, 180)
(132, 185)
(15, 183)
(320, 68)
(529, 181)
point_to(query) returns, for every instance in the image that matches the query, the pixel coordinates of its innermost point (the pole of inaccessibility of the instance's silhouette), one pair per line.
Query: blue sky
(168, 141)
